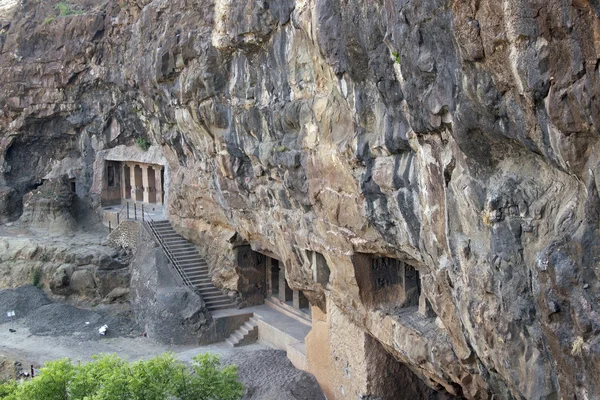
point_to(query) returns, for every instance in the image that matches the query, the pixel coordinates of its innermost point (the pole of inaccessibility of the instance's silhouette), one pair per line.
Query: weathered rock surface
(68, 266)
(459, 137)
(168, 313)
(49, 208)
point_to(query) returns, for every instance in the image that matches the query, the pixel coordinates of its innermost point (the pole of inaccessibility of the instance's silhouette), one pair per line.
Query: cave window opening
(320, 269)
(387, 283)
(110, 176)
(138, 183)
(274, 284)
(280, 293)
(127, 182)
(73, 185)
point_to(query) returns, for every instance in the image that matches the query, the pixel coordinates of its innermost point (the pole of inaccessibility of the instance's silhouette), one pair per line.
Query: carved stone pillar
(269, 276)
(300, 301)
(145, 184)
(123, 182)
(159, 183)
(285, 292)
(132, 181)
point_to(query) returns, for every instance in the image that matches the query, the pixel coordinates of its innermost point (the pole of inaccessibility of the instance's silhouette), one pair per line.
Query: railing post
(118, 222)
(127, 210)
(109, 226)
(135, 211)
(142, 218)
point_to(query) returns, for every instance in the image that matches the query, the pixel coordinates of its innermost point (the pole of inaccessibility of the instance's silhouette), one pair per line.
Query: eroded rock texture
(460, 137)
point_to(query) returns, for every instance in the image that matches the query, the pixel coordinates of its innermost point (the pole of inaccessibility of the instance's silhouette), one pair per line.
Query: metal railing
(123, 215)
(148, 224)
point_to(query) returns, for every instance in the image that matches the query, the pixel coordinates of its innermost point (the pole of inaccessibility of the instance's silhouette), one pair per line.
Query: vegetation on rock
(110, 377)
(143, 143)
(65, 9)
(36, 278)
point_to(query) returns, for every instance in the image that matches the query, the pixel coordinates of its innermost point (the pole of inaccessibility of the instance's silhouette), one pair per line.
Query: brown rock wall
(459, 138)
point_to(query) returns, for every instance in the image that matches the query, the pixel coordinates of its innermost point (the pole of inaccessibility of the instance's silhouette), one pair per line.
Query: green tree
(51, 384)
(151, 380)
(108, 377)
(208, 380)
(7, 389)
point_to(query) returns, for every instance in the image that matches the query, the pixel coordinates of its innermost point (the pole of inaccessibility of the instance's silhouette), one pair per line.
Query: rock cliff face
(458, 137)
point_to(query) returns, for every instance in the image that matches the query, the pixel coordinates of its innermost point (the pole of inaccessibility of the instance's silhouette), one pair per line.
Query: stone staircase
(245, 334)
(192, 268)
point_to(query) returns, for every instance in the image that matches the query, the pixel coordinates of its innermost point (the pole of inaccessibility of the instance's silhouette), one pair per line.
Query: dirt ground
(46, 331)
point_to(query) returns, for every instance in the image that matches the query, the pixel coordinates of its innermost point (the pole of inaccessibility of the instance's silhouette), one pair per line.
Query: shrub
(36, 277)
(143, 143)
(65, 9)
(396, 57)
(109, 377)
(207, 381)
(51, 384)
(48, 20)
(7, 389)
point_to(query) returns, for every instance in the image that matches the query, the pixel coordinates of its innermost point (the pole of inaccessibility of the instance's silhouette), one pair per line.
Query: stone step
(201, 286)
(161, 222)
(190, 257)
(203, 278)
(173, 237)
(196, 271)
(245, 329)
(213, 297)
(169, 233)
(247, 333)
(190, 261)
(210, 292)
(197, 276)
(223, 307)
(164, 229)
(194, 268)
(181, 246)
(183, 253)
(220, 306)
(192, 265)
(179, 257)
(161, 225)
(218, 301)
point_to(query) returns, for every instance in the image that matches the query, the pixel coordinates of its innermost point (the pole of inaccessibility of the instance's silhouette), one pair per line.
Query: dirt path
(40, 349)
(48, 331)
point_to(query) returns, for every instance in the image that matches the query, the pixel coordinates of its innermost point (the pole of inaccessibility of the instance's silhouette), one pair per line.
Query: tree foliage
(108, 377)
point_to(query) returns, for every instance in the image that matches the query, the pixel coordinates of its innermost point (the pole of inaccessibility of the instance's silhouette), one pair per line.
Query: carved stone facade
(132, 181)
(386, 282)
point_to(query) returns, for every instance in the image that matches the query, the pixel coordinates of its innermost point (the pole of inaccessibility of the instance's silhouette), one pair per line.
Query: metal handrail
(126, 205)
(148, 223)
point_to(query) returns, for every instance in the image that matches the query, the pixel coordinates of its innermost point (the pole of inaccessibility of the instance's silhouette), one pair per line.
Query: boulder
(49, 207)
(119, 293)
(168, 312)
(83, 283)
